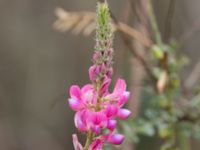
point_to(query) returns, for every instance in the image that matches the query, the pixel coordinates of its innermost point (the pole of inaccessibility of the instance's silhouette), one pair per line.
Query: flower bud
(123, 113)
(116, 139)
(112, 124)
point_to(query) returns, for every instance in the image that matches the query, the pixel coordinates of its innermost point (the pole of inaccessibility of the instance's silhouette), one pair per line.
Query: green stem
(88, 140)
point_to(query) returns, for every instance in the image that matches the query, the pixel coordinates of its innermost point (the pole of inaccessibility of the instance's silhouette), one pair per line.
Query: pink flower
(80, 120)
(84, 101)
(111, 110)
(120, 88)
(119, 96)
(82, 98)
(88, 95)
(119, 91)
(96, 121)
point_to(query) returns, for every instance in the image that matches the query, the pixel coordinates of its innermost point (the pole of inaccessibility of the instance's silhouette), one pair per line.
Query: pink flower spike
(96, 145)
(112, 124)
(75, 92)
(76, 143)
(80, 121)
(75, 104)
(116, 139)
(124, 113)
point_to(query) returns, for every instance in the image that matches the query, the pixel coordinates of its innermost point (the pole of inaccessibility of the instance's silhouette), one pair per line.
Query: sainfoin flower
(98, 109)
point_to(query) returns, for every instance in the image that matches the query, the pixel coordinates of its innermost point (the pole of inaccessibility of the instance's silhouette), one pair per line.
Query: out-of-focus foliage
(171, 111)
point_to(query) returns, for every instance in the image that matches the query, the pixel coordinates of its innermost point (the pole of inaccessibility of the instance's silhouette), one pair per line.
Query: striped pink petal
(75, 92)
(80, 120)
(96, 145)
(111, 111)
(120, 87)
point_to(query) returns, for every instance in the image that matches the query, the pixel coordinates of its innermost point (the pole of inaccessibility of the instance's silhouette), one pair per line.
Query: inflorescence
(96, 108)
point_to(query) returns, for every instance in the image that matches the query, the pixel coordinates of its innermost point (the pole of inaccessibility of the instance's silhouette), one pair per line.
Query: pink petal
(76, 143)
(89, 97)
(75, 104)
(88, 94)
(86, 87)
(75, 92)
(112, 124)
(105, 86)
(96, 145)
(124, 98)
(111, 111)
(120, 87)
(126, 94)
(97, 119)
(116, 139)
(124, 113)
(80, 121)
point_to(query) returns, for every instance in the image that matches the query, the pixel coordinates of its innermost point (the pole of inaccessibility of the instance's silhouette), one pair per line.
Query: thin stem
(168, 21)
(88, 140)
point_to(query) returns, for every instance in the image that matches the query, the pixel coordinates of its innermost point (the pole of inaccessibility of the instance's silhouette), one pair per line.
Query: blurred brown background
(38, 64)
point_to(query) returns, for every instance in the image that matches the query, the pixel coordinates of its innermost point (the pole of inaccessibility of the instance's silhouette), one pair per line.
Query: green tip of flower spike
(102, 14)
(103, 26)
